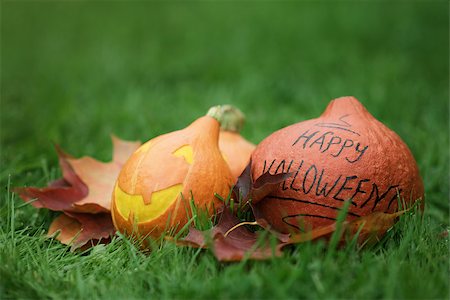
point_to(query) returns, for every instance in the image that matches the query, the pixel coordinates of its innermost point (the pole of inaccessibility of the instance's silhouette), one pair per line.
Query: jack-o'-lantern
(154, 189)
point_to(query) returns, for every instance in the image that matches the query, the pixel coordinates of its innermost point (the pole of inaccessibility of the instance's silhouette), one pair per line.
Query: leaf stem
(239, 225)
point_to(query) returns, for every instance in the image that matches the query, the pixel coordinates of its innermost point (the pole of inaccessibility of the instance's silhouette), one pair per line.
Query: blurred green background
(75, 72)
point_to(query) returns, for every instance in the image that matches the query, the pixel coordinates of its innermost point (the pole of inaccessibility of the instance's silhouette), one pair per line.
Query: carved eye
(186, 152)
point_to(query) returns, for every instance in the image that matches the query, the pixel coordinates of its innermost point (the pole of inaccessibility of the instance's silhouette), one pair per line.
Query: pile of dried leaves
(83, 196)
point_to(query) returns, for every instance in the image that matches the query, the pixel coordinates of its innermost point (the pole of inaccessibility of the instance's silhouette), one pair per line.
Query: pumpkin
(235, 149)
(153, 191)
(344, 155)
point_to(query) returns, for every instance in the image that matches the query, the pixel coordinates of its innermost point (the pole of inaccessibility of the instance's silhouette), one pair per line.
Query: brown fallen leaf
(100, 177)
(249, 190)
(232, 242)
(86, 185)
(64, 229)
(373, 227)
(83, 194)
(61, 194)
(369, 229)
(79, 229)
(263, 223)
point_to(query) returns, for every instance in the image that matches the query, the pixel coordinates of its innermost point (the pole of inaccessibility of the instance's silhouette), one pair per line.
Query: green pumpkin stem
(229, 117)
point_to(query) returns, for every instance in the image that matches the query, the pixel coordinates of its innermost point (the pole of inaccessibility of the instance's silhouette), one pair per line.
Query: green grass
(74, 72)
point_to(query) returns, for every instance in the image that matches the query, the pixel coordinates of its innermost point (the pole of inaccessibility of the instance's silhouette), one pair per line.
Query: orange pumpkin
(235, 149)
(345, 154)
(157, 183)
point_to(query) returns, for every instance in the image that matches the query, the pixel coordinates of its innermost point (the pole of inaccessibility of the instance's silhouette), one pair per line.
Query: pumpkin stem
(229, 117)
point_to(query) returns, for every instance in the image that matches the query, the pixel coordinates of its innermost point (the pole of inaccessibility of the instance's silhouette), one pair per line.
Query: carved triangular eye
(186, 152)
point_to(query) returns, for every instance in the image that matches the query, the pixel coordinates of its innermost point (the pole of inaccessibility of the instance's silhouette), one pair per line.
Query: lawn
(74, 72)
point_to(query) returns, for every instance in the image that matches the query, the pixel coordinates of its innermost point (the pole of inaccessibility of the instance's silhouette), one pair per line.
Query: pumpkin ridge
(135, 175)
(206, 126)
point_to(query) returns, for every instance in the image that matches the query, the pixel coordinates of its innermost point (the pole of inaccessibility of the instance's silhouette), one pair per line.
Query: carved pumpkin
(345, 154)
(235, 149)
(155, 186)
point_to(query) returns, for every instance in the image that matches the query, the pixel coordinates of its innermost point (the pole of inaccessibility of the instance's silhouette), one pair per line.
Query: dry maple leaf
(369, 229)
(248, 190)
(83, 194)
(59, 195)
(230, 241)
(86, 185)
(80, 229)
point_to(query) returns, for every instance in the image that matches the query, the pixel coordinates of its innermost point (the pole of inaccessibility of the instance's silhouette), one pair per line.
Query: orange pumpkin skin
(236, 150)
(344, 154)
(159, 167)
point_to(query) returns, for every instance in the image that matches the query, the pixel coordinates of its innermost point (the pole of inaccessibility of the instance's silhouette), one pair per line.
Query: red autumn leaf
(100, 177)
(59, 195)
(78, 229)
(369, 229)
(247, 189)
(373, 227)
(230, 241)
(241, 189)
(262, 222)
(86, 185)
(68, 229)
(195, 238)
(83, 194)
